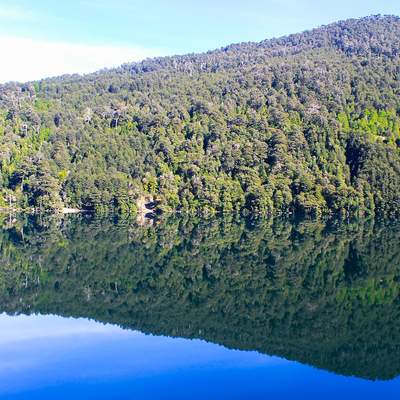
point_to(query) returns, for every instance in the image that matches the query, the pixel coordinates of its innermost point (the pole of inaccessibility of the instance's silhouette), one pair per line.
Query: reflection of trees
(327, 296)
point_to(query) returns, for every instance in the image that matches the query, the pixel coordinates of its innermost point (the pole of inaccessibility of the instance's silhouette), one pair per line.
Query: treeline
(307, 124)
(319, 294)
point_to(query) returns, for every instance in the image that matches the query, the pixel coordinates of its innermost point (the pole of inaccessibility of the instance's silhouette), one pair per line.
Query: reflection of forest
(326, 296)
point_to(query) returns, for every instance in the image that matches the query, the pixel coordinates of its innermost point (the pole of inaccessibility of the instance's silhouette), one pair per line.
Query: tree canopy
(308, 124)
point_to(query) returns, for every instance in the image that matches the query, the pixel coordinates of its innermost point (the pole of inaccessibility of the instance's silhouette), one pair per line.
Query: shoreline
(64, 210)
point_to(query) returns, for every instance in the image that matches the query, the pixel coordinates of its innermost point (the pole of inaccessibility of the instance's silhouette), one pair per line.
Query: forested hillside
(308, 123)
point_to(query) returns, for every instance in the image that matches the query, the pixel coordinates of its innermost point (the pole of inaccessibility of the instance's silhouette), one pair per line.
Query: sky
(41, 38)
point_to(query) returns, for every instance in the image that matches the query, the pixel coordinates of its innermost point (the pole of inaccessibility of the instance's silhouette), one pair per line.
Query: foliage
(308, 123)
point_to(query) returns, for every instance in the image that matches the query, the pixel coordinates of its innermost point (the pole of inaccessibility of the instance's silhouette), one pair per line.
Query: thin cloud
(106, 3)
(31, 59)
(12, 13)
(23, 328)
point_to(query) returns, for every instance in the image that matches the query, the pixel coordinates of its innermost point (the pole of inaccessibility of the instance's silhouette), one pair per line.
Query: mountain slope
(308, 123)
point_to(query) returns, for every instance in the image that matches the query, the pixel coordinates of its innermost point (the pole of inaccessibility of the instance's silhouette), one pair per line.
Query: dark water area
(191, 308)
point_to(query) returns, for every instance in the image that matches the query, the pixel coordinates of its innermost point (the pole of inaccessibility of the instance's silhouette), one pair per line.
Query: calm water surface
(199, 309)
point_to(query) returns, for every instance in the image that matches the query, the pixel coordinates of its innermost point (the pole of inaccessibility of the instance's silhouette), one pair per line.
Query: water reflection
(327, 296)
(40, 352)
(66, 358)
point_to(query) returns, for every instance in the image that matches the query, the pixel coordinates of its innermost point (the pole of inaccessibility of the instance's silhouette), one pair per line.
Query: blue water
(49, 357)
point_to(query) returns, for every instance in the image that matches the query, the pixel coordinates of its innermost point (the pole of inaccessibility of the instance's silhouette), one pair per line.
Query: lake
(185, 308)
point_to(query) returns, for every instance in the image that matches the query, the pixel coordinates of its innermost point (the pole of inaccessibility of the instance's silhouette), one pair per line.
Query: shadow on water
(308, 291)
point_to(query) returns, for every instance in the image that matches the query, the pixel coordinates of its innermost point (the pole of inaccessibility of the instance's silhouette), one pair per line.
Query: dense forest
(323, 295)
(306, 124)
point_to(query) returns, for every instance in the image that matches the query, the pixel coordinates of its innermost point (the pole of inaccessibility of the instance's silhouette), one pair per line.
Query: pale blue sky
(133, 29)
